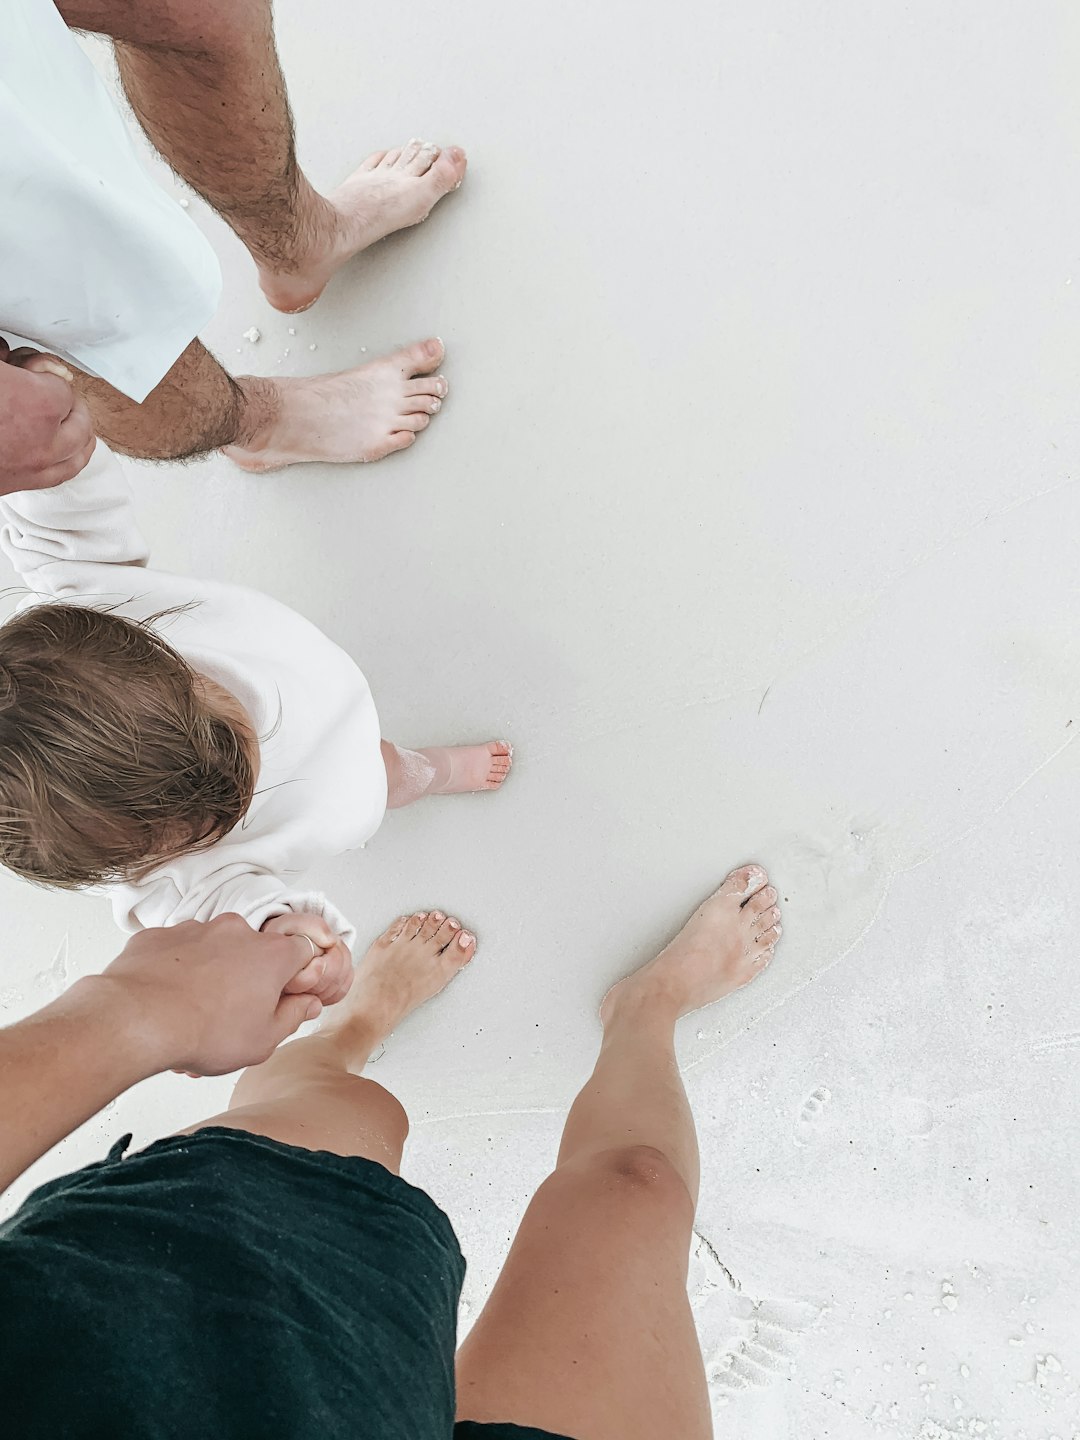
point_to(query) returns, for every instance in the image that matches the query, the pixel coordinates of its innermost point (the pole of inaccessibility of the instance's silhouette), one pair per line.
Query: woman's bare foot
(410, 963)
(355, 415)
(390, 191)
(726, 943)
(465, 769)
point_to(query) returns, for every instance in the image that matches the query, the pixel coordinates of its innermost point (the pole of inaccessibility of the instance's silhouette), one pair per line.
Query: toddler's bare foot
(355, 415)
(390, 191)
(726, 943)
(464, 769)
(408, 964)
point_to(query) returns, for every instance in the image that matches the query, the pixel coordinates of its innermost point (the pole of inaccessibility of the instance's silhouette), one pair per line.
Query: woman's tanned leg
(588, 1331)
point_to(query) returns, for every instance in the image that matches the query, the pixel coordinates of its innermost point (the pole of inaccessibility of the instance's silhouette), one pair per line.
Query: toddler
(191, 746)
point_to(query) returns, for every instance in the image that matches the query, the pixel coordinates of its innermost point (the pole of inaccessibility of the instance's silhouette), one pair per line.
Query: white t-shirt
(97, 263)
(322, 783)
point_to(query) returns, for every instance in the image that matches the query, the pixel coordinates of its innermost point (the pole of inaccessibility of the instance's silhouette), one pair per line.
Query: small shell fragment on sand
(253, 335)
(1046, 1365)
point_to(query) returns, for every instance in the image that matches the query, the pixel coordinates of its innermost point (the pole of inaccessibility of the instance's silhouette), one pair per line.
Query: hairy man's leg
(205, 83)
(197, 407)
(266, 424)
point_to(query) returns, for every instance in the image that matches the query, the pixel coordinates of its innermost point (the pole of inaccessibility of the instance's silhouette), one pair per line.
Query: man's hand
(329, 974)
(208, 998)
(46, 436)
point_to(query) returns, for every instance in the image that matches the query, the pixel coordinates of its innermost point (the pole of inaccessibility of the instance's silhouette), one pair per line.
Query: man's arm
(45, 432)
(202, 998)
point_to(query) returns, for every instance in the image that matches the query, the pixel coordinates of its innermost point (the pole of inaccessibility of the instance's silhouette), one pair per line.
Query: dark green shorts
(227, 1286)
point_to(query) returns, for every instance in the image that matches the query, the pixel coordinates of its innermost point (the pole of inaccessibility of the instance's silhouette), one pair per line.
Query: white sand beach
(752, 520)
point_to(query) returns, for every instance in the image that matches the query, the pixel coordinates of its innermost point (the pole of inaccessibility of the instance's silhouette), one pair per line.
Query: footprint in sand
(811, 1123)
(765, 1338)
(747, 1344)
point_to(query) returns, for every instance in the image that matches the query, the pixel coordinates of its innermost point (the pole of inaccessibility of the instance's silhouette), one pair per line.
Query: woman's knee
(306, 1081)
(638, 1173)
(372, 1101)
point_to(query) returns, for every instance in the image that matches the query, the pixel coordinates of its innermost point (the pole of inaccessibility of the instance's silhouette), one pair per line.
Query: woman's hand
(329, 973)
(207, 999)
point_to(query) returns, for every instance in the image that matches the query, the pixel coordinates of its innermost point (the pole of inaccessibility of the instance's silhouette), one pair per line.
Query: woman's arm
(205, 998)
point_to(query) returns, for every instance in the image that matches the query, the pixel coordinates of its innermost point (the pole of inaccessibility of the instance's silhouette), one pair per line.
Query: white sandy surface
(752, 520)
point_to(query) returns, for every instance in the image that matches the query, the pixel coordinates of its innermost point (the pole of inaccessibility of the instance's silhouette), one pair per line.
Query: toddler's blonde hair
(111, 760)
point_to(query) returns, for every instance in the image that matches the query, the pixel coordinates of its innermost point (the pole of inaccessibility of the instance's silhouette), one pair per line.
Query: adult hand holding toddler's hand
(329, 973)
(46, 436)
(208, 998)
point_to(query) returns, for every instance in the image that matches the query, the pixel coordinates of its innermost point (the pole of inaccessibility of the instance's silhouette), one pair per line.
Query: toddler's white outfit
(321, 788)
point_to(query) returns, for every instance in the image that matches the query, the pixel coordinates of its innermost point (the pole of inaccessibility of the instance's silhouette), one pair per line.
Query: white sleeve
(166, 898)
(56, 539)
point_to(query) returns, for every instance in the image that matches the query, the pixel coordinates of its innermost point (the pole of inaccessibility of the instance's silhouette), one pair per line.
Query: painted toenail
(438, 915)
(465, 939)
(436, 406)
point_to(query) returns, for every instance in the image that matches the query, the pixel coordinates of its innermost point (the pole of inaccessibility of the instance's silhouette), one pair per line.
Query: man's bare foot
(726, 943)
(410, 963)
(465, 769)
(355, 415)
(390, 191)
